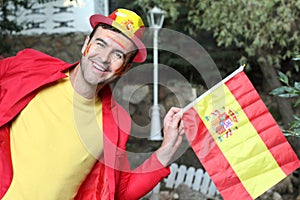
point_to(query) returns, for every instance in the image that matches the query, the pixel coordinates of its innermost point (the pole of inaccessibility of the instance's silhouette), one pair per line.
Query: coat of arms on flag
(237, 140)
(223, 122)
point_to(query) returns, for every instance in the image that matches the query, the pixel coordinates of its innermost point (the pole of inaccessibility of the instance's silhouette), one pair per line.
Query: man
(62, 135)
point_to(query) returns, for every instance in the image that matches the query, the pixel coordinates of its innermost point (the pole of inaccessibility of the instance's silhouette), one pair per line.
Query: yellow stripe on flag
(239, 141)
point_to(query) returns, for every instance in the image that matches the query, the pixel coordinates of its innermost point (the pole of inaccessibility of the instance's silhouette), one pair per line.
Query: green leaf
(297, 85)
(277, 91)
(295, 124)
(283, 77)
(296, 118)
(282, 90)
(297, 103)
(295, 133)
(287, 95)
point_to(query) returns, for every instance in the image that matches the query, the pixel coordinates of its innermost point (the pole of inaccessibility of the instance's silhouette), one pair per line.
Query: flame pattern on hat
(128, 21)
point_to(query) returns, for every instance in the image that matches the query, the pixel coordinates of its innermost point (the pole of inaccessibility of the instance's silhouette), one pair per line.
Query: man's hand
(173, 131)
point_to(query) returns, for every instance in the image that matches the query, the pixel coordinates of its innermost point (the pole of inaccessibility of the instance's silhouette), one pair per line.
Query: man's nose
(105, 57)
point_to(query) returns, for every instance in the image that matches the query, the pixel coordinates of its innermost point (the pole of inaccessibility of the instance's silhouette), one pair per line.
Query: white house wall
(60, 16)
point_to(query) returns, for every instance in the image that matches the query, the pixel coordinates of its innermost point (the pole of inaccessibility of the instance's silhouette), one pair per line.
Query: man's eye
(101, 44)
(119, 55)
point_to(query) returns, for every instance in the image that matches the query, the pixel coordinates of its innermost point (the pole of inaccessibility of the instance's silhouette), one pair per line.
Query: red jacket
(21, 78)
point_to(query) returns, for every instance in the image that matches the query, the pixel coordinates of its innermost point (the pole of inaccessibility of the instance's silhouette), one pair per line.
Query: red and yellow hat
(129, 23)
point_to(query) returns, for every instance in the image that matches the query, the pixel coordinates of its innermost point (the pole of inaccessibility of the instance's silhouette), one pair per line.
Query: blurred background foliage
(262, 34)
(8, 24)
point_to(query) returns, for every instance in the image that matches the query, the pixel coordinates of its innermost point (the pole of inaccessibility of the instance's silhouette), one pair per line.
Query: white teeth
(98, 67)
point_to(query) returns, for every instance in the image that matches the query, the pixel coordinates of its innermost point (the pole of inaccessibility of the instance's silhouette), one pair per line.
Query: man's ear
(85, 45)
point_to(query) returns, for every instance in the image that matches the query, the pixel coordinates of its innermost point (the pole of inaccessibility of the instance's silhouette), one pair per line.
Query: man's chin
(107, 81)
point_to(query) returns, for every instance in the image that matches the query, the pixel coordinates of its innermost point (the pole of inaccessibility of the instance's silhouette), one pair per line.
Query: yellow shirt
(55, 141)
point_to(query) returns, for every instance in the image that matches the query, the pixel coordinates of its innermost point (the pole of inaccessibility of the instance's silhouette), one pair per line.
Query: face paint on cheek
(87, 49)
(121, 70)
(118, 71)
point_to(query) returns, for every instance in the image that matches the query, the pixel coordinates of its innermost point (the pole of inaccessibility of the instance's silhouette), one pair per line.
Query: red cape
(21, 78)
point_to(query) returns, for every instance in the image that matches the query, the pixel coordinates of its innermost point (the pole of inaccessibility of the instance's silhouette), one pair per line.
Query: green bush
(289, 91)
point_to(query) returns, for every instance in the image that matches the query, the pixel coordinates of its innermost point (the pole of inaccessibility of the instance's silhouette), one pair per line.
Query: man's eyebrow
(101, 40)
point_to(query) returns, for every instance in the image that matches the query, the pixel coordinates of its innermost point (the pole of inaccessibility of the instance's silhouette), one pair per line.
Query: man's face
(105, 56)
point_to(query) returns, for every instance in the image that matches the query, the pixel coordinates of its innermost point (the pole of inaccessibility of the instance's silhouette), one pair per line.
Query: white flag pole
(241, 68)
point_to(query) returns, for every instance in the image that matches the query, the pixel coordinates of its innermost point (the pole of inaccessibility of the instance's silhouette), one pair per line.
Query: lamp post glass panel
(155, 19)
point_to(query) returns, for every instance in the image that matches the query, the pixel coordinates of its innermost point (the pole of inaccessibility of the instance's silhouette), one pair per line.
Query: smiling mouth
(100, 67)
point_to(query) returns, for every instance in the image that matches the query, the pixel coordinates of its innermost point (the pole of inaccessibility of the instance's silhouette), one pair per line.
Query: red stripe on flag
(212, 158)
(263, 122)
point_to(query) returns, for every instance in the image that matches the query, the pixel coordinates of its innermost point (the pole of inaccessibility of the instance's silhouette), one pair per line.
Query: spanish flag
(237, 140)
